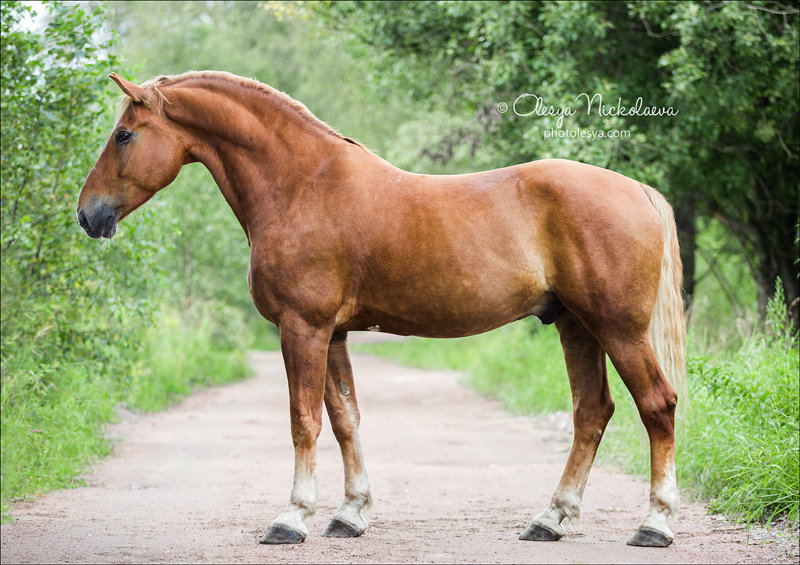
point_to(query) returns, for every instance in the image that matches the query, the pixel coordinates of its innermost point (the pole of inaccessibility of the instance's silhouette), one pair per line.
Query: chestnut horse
(341, 241)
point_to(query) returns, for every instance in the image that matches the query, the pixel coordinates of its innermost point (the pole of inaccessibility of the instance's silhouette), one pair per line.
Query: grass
(51, 436)
(187, 352)
(740, 445)
(53, 412)
(737, 445)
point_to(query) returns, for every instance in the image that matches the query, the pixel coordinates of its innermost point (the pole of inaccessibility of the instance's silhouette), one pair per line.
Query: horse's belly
(437, 306)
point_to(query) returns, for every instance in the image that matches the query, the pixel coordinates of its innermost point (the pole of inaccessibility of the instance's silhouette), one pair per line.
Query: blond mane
(282, 99)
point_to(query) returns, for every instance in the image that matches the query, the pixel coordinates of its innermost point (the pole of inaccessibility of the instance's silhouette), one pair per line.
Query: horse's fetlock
(305, 507)
(359, 499)
(567, 505)
(665, 499)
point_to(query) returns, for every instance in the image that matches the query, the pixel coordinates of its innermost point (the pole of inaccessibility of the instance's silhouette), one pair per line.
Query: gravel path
(454, 480)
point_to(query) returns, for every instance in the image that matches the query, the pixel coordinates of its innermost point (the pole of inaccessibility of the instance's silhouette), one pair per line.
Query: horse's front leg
(340, 399)
(305, 351)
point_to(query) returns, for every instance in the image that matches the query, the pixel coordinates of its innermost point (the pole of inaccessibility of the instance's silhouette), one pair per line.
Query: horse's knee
(305, 429)
(658, 411)
(342, 409)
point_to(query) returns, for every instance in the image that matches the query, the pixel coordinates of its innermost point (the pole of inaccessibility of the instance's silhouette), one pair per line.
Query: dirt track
(454, 480)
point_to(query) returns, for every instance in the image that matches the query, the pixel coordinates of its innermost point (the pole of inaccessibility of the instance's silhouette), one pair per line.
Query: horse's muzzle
(100, 222)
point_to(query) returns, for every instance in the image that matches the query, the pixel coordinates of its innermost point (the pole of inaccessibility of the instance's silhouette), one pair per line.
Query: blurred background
(91, 328)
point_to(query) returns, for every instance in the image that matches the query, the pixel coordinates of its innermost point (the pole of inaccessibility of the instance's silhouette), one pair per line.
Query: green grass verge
(53, 412)
(737, 444)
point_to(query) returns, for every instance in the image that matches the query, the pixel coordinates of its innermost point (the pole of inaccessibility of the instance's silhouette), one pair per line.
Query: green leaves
(73, 311)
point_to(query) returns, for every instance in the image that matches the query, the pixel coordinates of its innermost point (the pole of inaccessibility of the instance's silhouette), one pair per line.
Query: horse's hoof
(538, 532)
(341, 529)
(282, 534)
(646, 537)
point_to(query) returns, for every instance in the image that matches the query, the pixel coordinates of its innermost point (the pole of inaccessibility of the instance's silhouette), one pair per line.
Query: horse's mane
(281, 98)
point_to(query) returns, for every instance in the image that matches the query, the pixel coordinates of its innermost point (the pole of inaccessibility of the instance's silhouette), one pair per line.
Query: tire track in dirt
(454, 480)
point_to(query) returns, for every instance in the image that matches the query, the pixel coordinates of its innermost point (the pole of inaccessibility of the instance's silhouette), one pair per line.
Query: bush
(740, 444)
(86, 326)
(184, 352)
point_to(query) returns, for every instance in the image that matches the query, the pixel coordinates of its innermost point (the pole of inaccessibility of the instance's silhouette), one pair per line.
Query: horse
(341, 240)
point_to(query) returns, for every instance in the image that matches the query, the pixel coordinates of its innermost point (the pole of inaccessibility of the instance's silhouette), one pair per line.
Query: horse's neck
(259, 154)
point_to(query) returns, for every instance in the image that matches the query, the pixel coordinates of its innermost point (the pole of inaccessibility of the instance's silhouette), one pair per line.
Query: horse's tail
(668, 326)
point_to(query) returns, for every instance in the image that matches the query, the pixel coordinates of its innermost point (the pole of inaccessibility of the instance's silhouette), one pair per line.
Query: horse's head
(143, 155)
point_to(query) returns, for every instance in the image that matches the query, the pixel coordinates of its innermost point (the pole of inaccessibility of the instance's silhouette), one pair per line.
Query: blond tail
(668, 326)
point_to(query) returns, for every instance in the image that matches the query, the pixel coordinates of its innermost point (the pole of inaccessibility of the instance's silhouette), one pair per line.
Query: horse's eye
(123, 137)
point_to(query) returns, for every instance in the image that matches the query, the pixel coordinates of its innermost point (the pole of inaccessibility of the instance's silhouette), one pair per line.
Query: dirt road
(454, 480)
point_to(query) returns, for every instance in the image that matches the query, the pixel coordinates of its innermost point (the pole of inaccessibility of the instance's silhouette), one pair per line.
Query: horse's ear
(136, 92)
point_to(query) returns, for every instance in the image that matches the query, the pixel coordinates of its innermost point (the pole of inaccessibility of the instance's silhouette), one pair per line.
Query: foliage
(78, 318)
(185, 351)
(754, 395)
(722, 315)
(60, 311)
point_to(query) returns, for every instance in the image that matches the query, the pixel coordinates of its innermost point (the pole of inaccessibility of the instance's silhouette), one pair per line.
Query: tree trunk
(686, 220)
(777, 258)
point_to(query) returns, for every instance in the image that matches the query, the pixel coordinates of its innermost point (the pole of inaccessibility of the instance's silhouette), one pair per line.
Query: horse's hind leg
(656, 401)
(340, 399)
(592, 408)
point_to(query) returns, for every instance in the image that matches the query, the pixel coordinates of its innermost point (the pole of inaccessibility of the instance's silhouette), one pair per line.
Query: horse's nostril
(110, 226)
(82, 220)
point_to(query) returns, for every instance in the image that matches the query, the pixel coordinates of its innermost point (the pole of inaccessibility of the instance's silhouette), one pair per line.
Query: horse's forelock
(123, 103)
